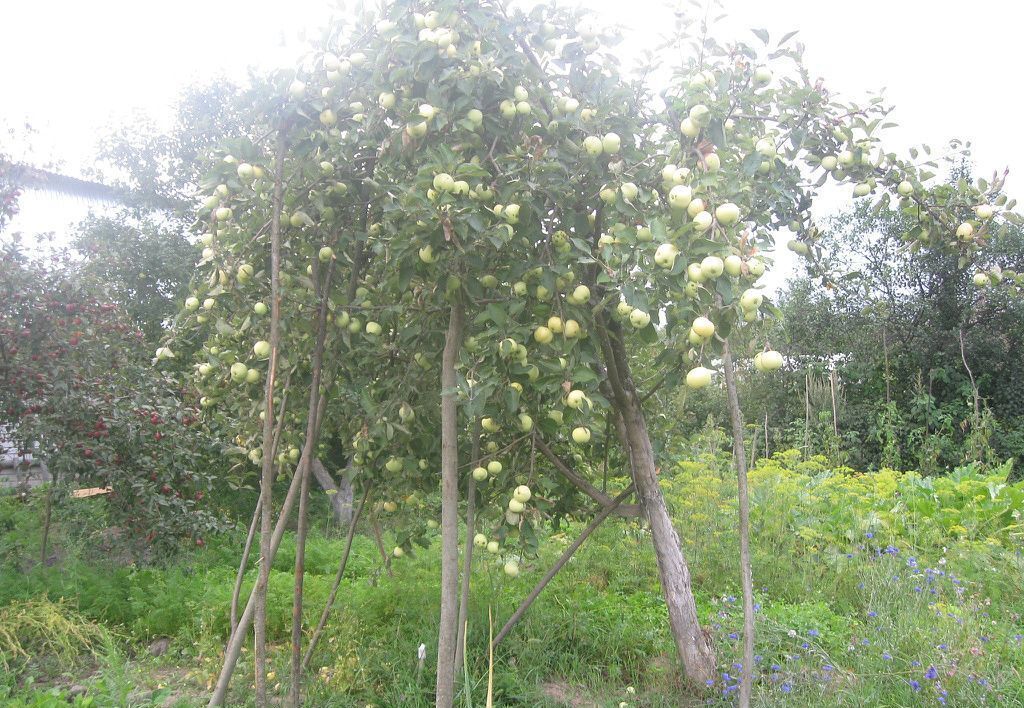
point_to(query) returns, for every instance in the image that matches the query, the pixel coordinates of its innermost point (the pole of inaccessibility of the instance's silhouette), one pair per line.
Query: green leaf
(750, 164)
(761, 34)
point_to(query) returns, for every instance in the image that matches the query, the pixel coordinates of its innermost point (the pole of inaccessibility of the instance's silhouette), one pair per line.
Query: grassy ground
(865, 597)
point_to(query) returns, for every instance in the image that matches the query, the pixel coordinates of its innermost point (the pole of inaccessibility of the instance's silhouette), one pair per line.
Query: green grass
(866, 597)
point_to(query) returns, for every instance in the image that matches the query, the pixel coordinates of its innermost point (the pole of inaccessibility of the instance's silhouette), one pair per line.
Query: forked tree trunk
(693, 643)
(746, 574)
(245, 622)
(339, 494)
(447, 633)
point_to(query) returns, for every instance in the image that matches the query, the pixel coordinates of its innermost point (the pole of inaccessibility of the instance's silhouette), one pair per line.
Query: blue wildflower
(915, 685)
(787, 687)
(931, 674)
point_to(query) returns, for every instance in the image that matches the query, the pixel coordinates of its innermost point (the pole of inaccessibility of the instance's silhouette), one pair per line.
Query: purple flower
(915, 662)
(813, 633)
(872, 613)
(776, 667)
(915, 685)
(869, 535)
(733, 635)
(710, 682)
(887, 656)
(787, 687)
(931, 674)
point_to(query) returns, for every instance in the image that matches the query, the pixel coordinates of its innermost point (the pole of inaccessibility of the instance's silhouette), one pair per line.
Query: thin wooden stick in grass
(746, 575)
(329, 605)
(566, 555)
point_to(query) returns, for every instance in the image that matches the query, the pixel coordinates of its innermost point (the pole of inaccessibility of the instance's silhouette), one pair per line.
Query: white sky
(72, 69)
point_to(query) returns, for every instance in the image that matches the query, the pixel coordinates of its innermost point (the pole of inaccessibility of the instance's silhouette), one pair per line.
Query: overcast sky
(73, 69)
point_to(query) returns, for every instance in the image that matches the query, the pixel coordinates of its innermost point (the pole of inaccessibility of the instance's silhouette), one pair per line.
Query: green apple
(862, 189)
(244, 273)
(829, 162)
(629, 191)
(610, 143)
(580, 295)
(704, 327)
(192, 304)
(689, 128)
(639, 319)
(516, 506)
(593, 145)
(373, 328)
(768, 361)
(223, 214)
(511, 567)
(766, 148)
(665, 255)
(700, 114)
(297, 89)
(905, 188)
(238, 372)
(522, 494)
(493, 547)
(756, 267)
(444, 182)
(490, 425)
(575, 398)
(328, 118)
(427, 254)
(702, 221)
(326, 254)
(480, 540)
(519, 288)
(572, 329)
(252, 376)
(398, 552)
(386, 100)
(711, 267)
(393, 465)
(727, 214)
(524, 108)
(680, 196)
(525, 422)
(480, 474)
(543, 335)
(416, 130)
(733, 265)
(607, 195)
(581, 435)
(846, 158)
(698, 377)
(983, 211)
(712, 162)
(507, 109)
(751, 299)
(643, 234)
(695, 274)
(390, 507)
(965, 231)
(762, 76)
(980, 279)
(555, 324)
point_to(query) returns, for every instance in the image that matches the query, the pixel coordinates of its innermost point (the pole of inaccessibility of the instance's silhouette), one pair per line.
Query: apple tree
(466, 220)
